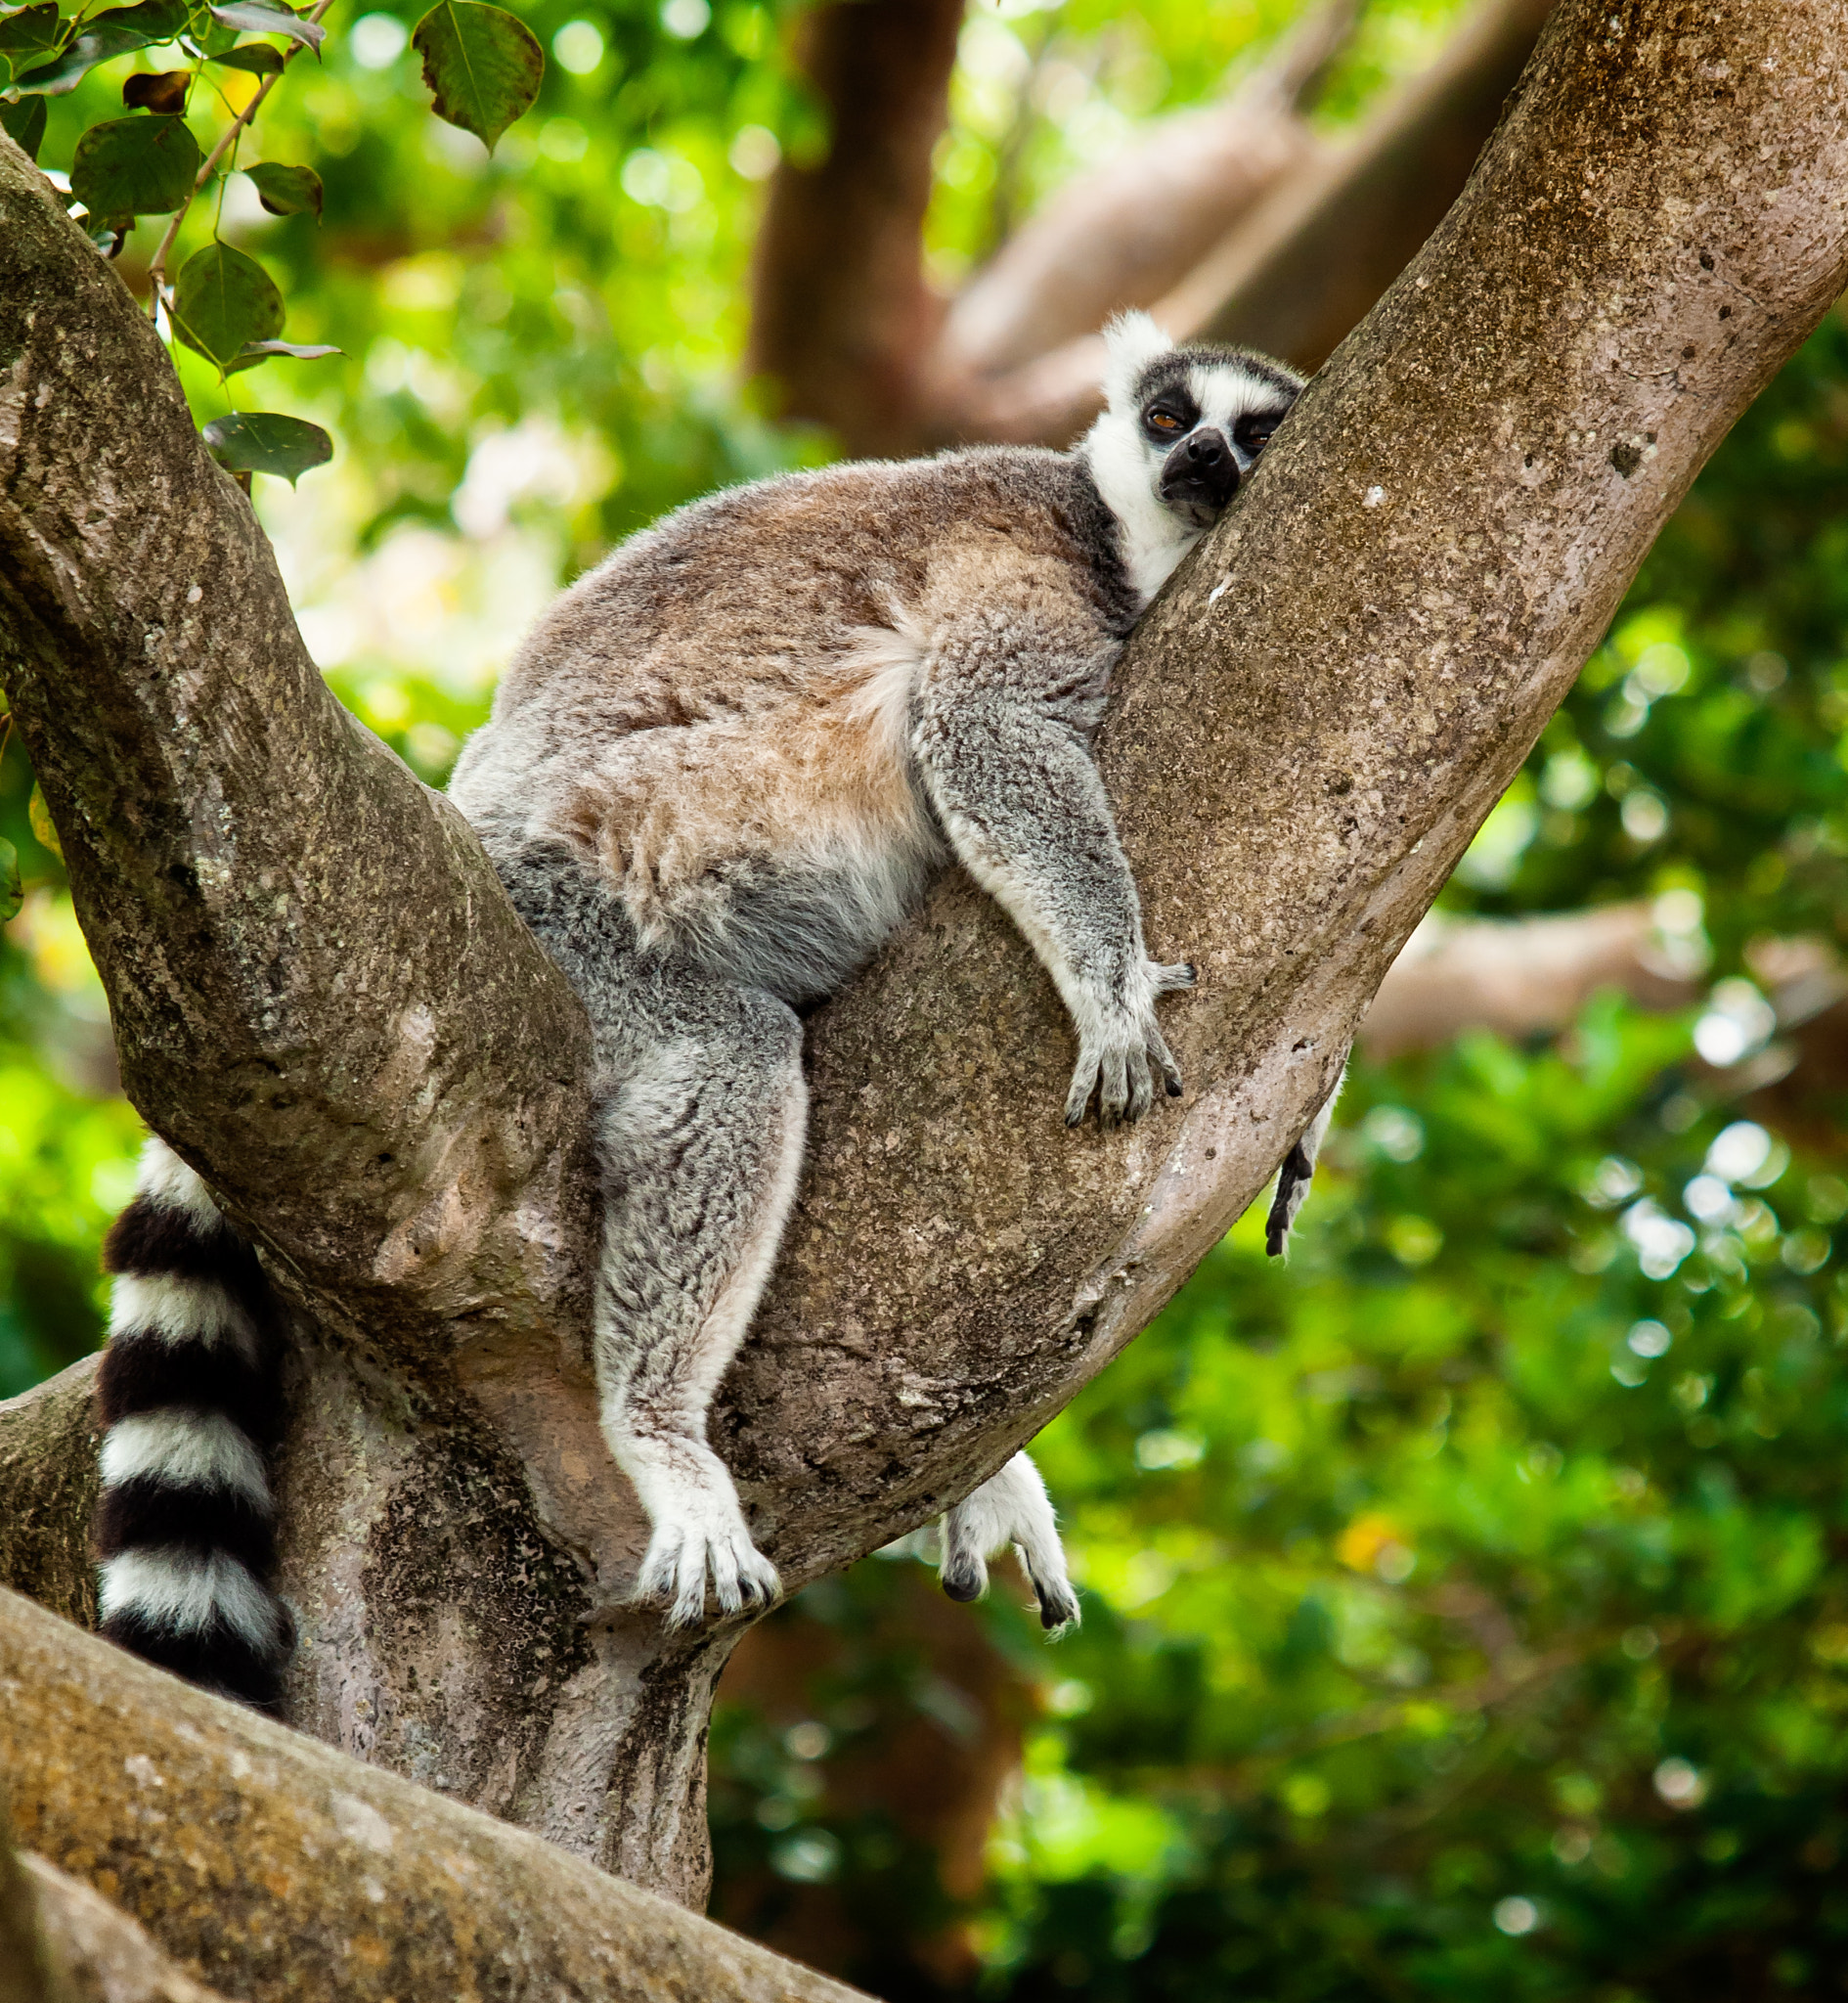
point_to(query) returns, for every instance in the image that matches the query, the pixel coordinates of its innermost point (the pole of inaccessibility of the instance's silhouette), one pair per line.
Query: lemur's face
(1204, 415)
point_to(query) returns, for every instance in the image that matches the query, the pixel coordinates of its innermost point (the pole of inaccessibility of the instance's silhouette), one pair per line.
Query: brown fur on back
(726, 697)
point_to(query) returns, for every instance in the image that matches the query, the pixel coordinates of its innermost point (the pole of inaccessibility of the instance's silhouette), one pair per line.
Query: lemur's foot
(1010, 1508)
(699, 1534)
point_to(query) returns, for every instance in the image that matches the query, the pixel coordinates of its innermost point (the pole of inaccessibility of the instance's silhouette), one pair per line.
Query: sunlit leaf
(25, 125)
(482, 66)
(257, 17)
(254, 351)
(223, 298)
(161, 21)
(300, 352)
(44, 832)
(260, 59)
(12, 891)
(135, 167)
(162, 90)
(287, 190)
(264, 442)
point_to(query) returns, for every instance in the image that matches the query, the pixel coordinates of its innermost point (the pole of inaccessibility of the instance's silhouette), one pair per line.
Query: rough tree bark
(272, 1867)
(325, 1003)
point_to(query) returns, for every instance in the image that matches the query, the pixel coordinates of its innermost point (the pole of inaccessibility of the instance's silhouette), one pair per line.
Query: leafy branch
(483, 67)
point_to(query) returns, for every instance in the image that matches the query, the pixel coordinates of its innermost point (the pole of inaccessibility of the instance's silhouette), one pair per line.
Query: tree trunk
(325, 1003)
(842, 320)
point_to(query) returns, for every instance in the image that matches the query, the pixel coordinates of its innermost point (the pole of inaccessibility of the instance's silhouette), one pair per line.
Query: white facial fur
(1126, 463)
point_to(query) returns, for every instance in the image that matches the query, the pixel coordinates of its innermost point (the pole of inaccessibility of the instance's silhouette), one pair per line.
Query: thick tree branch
(271, 1867)
(1314, 720)
(96, 1954)
(842, 320)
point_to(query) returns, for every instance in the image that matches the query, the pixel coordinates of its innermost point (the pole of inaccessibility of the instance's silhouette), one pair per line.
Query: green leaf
(260, 59)
(136, 166)
(262, 443)
(222, 299)
(12, 890)
(44, 828)
(161, 21)
(25, 125)
(254, 351)
(109, 36)
(31, 30)
(67, 70)
(483, 67)
(287, 190)
(258, 17)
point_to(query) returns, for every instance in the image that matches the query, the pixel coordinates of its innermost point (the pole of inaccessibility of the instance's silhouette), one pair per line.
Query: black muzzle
(1200, 475)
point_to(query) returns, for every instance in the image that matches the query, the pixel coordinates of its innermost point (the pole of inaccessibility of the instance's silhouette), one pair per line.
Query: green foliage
(483, 67)
(263, 442)
(483, 64)
(222, 299)
(287, 190)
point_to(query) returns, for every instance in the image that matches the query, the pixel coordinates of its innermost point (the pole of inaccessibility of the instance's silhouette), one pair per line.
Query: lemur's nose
(1205, 449)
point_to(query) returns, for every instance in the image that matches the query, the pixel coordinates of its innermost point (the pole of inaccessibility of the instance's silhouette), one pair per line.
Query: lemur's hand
(1116, 1041)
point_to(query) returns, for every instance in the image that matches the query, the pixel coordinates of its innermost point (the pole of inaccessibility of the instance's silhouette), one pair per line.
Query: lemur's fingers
(757, 1577)
(1112, 1087)
(1084, 1077)
(1058, 1603)
(1140, 1091)
(726, 1585)
(1179, 974)
(1164, 1061)
(661, 1566)
(964, 1575)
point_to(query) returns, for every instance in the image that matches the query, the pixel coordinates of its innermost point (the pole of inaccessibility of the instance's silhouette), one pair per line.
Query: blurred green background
(1465, 1612)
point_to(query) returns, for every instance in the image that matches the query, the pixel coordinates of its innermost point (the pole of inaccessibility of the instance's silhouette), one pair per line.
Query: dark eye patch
(1170, 416)
(1252, 431)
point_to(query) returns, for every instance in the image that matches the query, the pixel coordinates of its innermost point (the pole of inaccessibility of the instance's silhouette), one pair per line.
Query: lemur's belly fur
(780, 847)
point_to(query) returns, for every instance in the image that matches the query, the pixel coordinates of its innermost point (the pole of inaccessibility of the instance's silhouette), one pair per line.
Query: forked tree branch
(324, 998)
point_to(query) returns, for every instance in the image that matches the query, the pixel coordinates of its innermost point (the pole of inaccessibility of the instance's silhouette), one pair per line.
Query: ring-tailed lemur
(721, 771)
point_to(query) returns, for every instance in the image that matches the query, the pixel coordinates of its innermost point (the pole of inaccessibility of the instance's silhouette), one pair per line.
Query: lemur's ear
(1131, 341)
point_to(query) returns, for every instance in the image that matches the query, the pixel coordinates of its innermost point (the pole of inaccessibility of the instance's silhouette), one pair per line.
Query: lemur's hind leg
(700, 1146)
(1010, 1508)
(699, 1132)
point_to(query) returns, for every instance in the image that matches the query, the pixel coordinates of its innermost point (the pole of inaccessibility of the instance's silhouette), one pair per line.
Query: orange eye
(1165, 421)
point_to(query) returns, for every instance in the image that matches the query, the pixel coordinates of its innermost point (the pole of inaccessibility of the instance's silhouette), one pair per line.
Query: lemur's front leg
(1001, 741)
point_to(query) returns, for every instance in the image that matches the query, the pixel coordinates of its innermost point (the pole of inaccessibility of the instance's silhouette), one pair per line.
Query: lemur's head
(1182, 428)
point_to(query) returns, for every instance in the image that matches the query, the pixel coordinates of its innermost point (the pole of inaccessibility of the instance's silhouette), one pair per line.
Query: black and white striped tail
(190, 1405)
(1295, 1175)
